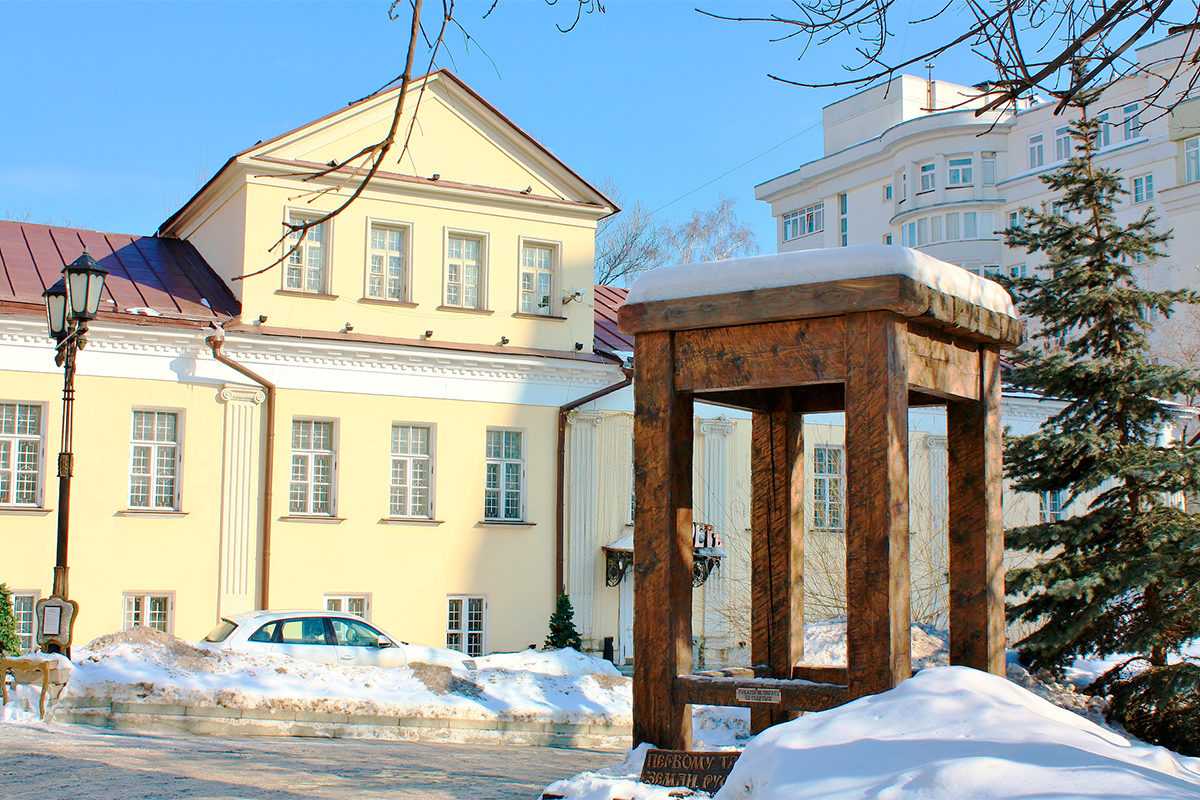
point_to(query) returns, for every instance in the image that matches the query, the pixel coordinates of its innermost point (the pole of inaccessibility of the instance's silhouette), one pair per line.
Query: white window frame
(960, 171)
(552, 306)
(935, 229)
(1037, 151)
(485, 250)
(823, 499)
(953, 226)
(922, 231)
(1048, 511)
(1103, 132)
(1016, 219)
(887, 238)
(296, 216)
(155, 445)
(928, 170)
(343, 599)
(970, 225)
(14, 441)
(791, 225)
(987, 167)
(887, 192)
(1191, 159)
(908, 234)
(464, 624)
(1131, 125)
(843, 201)
(807, 220)
(410, 459)
(310, 451)
(1017, 271)
(502, 469)
(406, 229)
(128, 612)
(1062, 143)
(1143, 188)
(29, 617)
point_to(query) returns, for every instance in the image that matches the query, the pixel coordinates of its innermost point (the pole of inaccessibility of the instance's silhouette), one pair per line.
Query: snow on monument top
(819, 266)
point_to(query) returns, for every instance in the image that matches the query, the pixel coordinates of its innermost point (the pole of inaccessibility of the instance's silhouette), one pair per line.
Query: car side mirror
(385, 642)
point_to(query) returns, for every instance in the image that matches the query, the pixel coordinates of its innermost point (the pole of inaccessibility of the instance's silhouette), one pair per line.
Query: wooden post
(877, 573)
(776, 546)
(975, 461)
(662, 553)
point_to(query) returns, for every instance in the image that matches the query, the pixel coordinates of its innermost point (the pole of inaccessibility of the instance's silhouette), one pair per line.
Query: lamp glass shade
(56, 309)
(85, 282)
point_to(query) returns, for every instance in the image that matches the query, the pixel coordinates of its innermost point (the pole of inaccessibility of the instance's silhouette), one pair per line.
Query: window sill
(320, 520)
(524, 315)
(465, 310)
(960, 186)
(150, 512)
(310, 295)
(25, 511)
(924, 191)
(410, 521)
(500, 523)
(375, 301)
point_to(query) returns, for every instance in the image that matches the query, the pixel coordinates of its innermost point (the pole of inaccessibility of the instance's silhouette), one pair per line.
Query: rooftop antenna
(929, 85)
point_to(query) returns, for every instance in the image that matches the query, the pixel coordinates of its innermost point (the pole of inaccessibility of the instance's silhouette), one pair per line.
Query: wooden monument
(870, 346)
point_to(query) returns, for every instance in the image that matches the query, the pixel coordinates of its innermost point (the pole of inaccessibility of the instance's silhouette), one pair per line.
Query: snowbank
(946, 734)
(817, 266)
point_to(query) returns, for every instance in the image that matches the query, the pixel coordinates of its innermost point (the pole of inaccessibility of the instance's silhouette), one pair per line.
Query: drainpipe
(264, 568)
(560, 523)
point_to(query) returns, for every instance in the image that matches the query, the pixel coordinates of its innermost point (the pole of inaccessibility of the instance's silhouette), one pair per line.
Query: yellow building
(371, 425)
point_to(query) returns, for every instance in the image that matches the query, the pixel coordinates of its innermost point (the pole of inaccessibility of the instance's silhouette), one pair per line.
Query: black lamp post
(70, 304)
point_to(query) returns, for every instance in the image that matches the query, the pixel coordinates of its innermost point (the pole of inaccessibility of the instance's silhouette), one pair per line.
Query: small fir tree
(10, 643)
(1122, 576)
(562, 626)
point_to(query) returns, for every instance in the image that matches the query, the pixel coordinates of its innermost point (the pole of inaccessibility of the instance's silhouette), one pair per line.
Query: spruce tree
(562, 626)
(1123, 575)
(10, 643)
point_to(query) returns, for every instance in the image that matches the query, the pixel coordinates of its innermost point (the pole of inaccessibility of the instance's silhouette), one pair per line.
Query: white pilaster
(583, 542)
(241, 497)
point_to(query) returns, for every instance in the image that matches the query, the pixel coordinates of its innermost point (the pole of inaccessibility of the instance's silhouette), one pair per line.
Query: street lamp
(71, 303)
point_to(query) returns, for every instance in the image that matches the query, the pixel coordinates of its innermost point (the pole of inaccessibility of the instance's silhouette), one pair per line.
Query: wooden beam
(877, 572)
(662, 561)
(941, 365)
(748, 399)
(975, 471)
(821, 673)
(768, 355)
(819, 398)
(793, 695)
(777, 546)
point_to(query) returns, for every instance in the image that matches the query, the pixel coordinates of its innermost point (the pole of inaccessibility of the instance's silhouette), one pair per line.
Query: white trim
(334, 433)
(34, 595)
(502, 487)
(326, 251)
(464, 627)
(145, 597)
(344, 598)
(485, 246)
(556, 273)
(43, 462)
(431, 457)
(179, 413)
(394, 224)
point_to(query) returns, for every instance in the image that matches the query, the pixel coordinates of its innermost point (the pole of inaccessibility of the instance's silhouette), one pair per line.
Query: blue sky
(117, 112)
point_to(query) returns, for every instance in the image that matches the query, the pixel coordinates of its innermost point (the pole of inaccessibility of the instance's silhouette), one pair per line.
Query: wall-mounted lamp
(503, 340)
(527, 190)
(437, 176)
(572, 297)
(578, 346)
(428, 334)
(347, 328)
(262, 319)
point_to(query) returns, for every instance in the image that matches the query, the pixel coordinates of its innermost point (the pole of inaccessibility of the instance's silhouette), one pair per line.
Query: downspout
(264, 568)
(560, 524)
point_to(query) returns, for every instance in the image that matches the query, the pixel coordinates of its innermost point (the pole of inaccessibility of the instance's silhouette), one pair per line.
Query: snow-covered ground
(949, 733)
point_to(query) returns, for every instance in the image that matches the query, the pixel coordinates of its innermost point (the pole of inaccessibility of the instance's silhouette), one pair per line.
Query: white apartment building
(948, 182)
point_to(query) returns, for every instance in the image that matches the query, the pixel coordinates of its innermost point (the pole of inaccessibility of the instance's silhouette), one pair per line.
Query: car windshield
(221, 632)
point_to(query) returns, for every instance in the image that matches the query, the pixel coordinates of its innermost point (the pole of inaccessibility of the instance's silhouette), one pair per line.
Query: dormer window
(307, 263)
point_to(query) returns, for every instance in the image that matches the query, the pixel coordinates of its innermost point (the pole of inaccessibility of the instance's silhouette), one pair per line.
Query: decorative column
(241, 495)
(583, 545)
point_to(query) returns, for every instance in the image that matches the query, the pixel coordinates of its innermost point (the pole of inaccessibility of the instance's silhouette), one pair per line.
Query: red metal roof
(607, 336)
(167, 276)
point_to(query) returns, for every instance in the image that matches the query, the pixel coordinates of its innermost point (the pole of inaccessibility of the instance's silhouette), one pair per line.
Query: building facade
(949, 182)
(370, 425)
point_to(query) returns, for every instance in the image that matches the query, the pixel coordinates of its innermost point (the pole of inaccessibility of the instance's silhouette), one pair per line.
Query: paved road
(92, 764)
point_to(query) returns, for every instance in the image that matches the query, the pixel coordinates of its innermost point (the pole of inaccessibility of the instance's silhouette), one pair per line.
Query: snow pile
(146, 666)
(946, 734)
(819, 266)
(825, 643)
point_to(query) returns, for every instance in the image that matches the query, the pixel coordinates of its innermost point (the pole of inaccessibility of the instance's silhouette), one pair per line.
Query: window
(810, 219)
(1016, 271)
(844, 219)
(1016, 219)
(1143, 188)
(387, 256)
(266, 633)
(311, 489)
(827, 488)
(154, 462)
(411, 470)
(990, 270)
(306, 266)
(908, 234)
(143, 610)
(970, 225)
(961, 172)
(1132, 126)
(988, 162)
(935, 229)
(887, 238)
(20, 454)
(503, 492)
(928, 176)
(1050, 507)
(1037, 153)
(23, 610)
(356, 604)
(1103, 132)
(465, 625)
(537, 278)
(923, 231)
(352, 633)
(1191, 159)
(887, 191)
(306, 630)
(903, 186)
(464, 271)
(953, 233)
(1062, 144)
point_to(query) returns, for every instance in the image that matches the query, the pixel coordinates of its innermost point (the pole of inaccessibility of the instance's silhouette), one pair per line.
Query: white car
(327, 637)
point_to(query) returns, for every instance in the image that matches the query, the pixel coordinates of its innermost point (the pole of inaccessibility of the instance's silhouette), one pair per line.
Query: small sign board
(705, 772)
(749, 694)
(56, 621)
